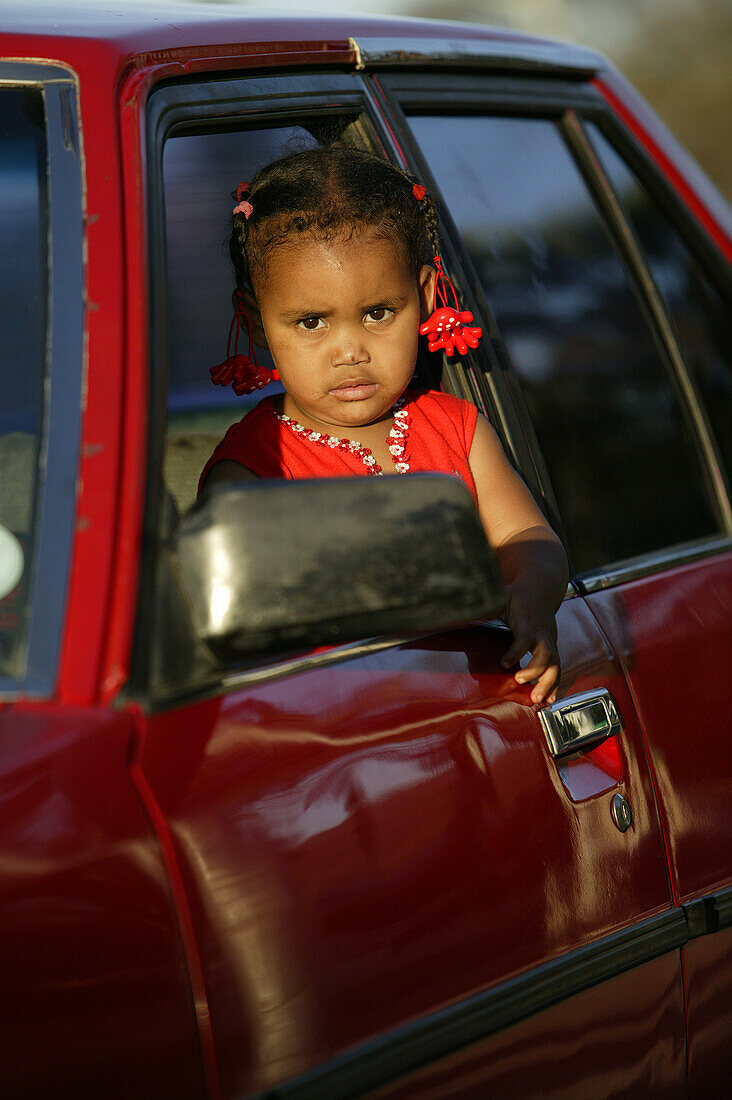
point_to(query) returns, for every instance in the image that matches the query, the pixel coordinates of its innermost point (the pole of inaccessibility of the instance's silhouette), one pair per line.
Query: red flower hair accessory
(419, 191)
(449, 327)
(242, 372)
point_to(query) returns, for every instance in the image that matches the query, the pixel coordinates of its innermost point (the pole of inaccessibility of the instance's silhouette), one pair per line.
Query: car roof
(108, 38)
(134, 26)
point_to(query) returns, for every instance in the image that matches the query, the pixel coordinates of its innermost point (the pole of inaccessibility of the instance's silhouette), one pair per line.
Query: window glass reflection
(624, 468)
(700, 315)
(23, 315)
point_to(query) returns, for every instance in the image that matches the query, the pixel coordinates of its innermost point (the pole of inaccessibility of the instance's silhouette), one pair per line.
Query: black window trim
(65, 370)
(496, 53)
(633, 257)
(419, 94)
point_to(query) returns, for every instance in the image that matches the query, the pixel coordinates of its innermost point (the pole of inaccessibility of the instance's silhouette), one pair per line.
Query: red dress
(441, 432)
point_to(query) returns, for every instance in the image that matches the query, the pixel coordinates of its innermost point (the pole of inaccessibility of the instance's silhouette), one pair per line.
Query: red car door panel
(708, 982)
(365, 843)
(571, 1050)
(673, 635)
(97, 999)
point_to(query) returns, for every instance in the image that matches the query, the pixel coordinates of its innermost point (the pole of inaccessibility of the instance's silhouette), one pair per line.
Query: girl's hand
(531, 634)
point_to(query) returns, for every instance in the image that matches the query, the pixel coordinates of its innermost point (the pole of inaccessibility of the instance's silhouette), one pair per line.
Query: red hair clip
(242, 372)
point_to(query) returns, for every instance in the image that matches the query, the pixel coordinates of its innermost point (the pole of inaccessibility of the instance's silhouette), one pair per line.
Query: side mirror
(266, 567)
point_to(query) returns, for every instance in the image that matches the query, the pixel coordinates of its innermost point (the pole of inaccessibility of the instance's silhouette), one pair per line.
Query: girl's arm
(531, 557)
(226, 470)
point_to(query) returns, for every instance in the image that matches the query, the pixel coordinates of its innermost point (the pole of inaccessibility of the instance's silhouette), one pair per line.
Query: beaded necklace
(397, 441)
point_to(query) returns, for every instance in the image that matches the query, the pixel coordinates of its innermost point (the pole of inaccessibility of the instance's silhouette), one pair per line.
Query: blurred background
(676, 52)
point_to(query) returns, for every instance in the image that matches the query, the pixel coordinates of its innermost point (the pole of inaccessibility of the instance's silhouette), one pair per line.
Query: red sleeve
(249, 443)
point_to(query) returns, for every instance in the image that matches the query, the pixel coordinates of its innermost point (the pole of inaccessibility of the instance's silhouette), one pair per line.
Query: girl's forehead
(364, 254)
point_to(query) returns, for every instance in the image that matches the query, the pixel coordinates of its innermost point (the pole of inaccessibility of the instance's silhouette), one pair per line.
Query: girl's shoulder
(444, 408)
(258, 416)
(246, 441)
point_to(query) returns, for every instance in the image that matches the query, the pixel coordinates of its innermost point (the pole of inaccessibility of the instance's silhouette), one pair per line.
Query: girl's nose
(350, 350)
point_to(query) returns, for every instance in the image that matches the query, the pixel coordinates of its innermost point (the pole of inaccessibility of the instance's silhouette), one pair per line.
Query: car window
(200, 172)
(619, 449)
(700, 312)
(23, 297)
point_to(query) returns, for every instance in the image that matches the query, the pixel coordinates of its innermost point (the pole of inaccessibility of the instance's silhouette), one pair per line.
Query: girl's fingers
(542, 668)
(543, 687)
(542, 656)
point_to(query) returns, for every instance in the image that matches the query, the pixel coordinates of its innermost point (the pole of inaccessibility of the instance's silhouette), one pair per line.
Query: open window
(203, 140)
(201, 167)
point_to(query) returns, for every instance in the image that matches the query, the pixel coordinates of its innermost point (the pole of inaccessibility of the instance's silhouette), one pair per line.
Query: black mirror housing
(268, 567)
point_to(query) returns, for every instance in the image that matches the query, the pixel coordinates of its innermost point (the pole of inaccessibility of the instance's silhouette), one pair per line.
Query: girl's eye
(310, 323)
(380, 313)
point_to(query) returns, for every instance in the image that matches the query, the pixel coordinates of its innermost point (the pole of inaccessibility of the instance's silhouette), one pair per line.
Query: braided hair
(328, 193)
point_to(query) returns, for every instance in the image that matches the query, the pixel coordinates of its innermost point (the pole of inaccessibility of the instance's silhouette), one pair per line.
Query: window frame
(224, 103)
(64, 372)
(561, 101)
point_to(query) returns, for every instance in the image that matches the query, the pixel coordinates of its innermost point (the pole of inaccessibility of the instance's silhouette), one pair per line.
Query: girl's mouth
(356, 389)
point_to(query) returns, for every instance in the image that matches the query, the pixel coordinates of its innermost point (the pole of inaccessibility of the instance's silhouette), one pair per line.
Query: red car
(245, 851)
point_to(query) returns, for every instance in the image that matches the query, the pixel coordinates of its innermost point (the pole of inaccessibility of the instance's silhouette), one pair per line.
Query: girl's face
(342, 323)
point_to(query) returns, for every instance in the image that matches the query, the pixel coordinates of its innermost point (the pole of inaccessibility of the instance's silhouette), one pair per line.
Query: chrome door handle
(580, 721)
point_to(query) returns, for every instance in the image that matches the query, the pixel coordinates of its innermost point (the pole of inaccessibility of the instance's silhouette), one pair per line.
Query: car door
(613, 307)
(381, 866)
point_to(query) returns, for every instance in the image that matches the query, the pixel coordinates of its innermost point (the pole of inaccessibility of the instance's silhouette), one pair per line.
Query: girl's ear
(250, 305)
(426, 286)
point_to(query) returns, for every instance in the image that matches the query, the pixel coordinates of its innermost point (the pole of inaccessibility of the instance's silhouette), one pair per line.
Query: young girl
(334, 247)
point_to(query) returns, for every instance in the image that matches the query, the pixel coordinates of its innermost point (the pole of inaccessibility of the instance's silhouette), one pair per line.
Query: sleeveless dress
(440, 435)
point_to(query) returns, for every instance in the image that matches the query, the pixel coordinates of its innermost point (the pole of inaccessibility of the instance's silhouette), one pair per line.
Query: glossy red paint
(690, 608)
(578, 1049)
(98, 531)
(185, 924)
(96, 995)
(326, 851)
(708, 982)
